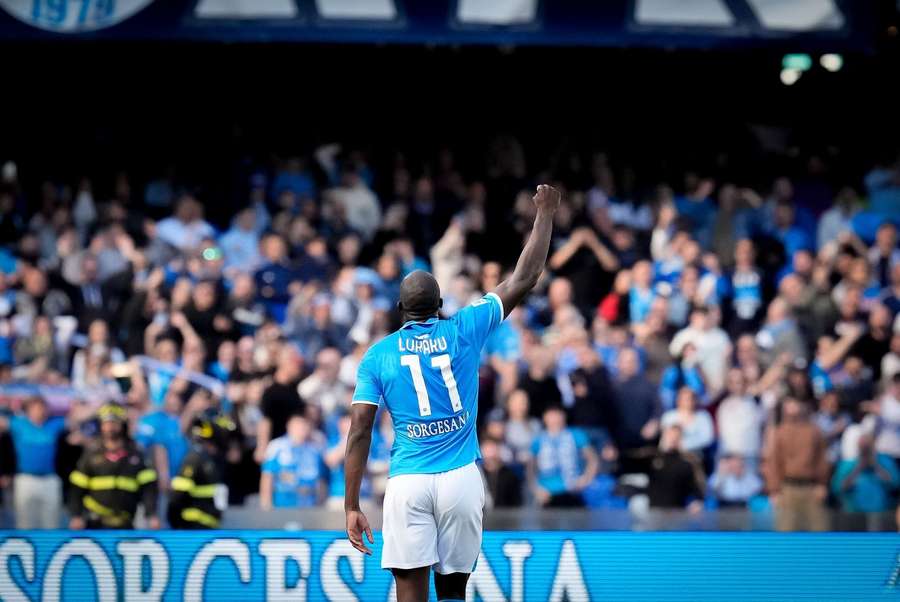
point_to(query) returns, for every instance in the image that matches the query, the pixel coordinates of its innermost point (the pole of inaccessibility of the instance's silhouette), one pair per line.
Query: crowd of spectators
(694, 345)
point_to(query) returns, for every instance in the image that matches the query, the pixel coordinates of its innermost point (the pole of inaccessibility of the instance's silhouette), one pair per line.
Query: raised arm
(531, 262)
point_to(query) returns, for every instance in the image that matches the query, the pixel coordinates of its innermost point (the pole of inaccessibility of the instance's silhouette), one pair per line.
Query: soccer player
(426, 376)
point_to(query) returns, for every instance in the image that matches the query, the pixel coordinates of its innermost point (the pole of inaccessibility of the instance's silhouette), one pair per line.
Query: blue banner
(513, 567)
(829, 25)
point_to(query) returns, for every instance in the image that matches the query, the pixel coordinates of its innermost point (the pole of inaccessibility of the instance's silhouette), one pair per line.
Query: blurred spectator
(884, 254)
(696, 426)
(539, 383)
(323, 387)
(746, 289)
(503, 487)
(636, 411)
(739, 419)
(591, 390)
(779, 334)
(279, 401)
(563, 464)
(641, 294)
(186, 228)
(868, 482)
(240, 244)
(37, 490)
(839, 218)
(160, 434)
(683, 372)
(888, 408)
(294, 472)
(832, 422)
(798, 471)
(521, 429)
(356, 203)
(675, 480)
(733, 483)
(712, 346)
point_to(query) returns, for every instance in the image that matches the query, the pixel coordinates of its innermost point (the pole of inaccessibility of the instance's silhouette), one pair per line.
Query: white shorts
(433, 520)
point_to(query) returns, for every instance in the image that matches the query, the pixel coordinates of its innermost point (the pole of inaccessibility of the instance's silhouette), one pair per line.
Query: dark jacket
(192, 501)
(108, 486)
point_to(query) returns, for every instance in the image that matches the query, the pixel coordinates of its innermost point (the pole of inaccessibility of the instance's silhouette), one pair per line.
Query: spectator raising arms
(724, 320)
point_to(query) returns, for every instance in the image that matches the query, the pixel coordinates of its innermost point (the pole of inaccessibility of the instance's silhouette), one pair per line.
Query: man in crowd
(563, 462)
(798, 471)
(294, 472)
(867, 482)
(112, 479)
(37, 490)
(636, 413)
(675, 479)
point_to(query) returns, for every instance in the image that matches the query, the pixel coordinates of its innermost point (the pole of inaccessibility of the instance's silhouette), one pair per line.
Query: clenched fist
(546, 198)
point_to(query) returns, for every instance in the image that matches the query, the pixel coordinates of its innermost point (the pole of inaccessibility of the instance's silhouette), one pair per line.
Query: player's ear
(400, 306)
(440, 302)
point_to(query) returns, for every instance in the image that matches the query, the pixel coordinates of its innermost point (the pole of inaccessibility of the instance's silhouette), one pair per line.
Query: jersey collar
(409, 323)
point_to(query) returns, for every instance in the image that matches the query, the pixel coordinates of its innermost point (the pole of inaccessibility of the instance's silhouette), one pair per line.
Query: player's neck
(418, 318)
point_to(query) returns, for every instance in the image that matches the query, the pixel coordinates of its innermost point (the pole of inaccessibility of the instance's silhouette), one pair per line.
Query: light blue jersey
(426, 374)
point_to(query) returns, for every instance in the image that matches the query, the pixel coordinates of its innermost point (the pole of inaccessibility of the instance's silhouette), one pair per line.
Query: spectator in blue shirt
(697, 207)
(294, 474)
(640, 297)
(733, 483)
(294, 178)
(276, 279)
(866, 483)
(563, 464)
(788, 231)
(160, 434)
(745, 290)
(240, 244)
(683, 372)
(37, 495)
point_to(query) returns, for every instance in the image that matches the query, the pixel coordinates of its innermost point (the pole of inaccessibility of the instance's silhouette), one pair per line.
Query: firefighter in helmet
(198, 493)
(112, 479)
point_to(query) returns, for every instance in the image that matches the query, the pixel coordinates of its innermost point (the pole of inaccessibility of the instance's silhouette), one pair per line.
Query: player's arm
(359, 439)
(531, 262)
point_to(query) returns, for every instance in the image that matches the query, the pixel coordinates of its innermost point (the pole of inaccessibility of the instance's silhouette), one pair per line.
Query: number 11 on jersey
(439, 361)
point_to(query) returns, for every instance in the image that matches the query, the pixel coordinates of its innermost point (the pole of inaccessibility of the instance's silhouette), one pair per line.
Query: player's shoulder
(381, 349)
(480, 308)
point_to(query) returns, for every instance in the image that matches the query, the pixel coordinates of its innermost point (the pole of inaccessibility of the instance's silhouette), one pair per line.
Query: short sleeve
(270, 465)
(368, 384)
(503, 343)
(480, 319)
(581, 439)
(16, 423)
(145, 434)
(58, 425)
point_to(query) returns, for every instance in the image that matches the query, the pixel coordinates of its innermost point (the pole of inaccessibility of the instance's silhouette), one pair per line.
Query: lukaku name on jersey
(426, 374)
(422, 344)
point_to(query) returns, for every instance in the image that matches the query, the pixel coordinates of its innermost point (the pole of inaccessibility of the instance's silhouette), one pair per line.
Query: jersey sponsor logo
(417, 345)
(421, 430)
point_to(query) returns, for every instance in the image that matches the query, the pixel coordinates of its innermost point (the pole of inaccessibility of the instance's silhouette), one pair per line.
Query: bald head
(420, 296)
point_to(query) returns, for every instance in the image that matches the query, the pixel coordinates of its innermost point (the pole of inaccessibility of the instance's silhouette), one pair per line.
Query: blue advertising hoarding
(513, 567)
(829, 25)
